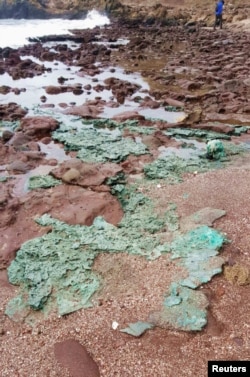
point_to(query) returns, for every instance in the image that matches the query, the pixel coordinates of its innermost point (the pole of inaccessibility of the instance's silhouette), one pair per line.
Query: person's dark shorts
(218, 20)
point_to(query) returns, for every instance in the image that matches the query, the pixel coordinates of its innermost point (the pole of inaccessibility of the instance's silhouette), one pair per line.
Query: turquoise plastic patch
(137, 328)
(42, 181)
(98, 145)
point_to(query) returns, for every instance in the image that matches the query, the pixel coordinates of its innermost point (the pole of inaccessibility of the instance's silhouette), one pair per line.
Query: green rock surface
(42, 181)
(98, 144)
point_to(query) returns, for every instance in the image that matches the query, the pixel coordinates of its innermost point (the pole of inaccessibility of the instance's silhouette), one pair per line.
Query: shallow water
(16, 33)
(34, 87)
(190, 149)
(21, 186)
(53, 150)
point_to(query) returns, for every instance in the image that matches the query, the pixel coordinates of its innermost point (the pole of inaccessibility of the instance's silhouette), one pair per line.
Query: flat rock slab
(233, 119)
(73, 356)
(85, 174)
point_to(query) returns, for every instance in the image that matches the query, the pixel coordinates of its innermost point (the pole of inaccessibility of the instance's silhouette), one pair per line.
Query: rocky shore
(198, 74)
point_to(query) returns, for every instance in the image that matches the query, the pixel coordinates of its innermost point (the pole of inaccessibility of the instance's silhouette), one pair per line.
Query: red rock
(233, 85)
(11, 112)
(4, 89)
(55, 89)
(4, 194)
(19, 139)
(127, 115)
(85, 111)
(174, 102)
(216, 127)
(88, 174)
(232, 118)
(72, 204)
(39, 126)
(74, 357)
(18, 167)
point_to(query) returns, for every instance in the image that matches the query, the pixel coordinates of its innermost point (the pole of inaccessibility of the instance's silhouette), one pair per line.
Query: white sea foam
(15, 33)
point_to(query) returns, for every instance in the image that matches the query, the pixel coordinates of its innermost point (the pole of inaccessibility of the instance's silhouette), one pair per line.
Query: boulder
(39, 126)
(12, 112)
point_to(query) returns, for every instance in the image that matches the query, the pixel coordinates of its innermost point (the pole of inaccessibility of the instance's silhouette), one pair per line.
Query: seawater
(15, 33)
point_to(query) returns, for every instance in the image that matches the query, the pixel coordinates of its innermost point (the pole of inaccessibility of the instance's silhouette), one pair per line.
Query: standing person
(218, 13)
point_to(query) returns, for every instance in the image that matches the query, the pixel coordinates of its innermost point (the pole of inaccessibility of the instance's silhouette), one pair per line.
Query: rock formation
(166, 11)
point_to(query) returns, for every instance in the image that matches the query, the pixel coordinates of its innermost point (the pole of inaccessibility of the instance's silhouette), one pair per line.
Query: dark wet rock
(43, 99)
(11, 112)
(120, 96)
(76, 359)
(5, 52)
(121, 88)
(99, 88)
(18, 68)
(48, 56)
(77, 91)
(61, 80)
(55, 89)
(39, 126)
(7, 135)
(12, 58)
(19, 139)
(87, 87)
(5, 89)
